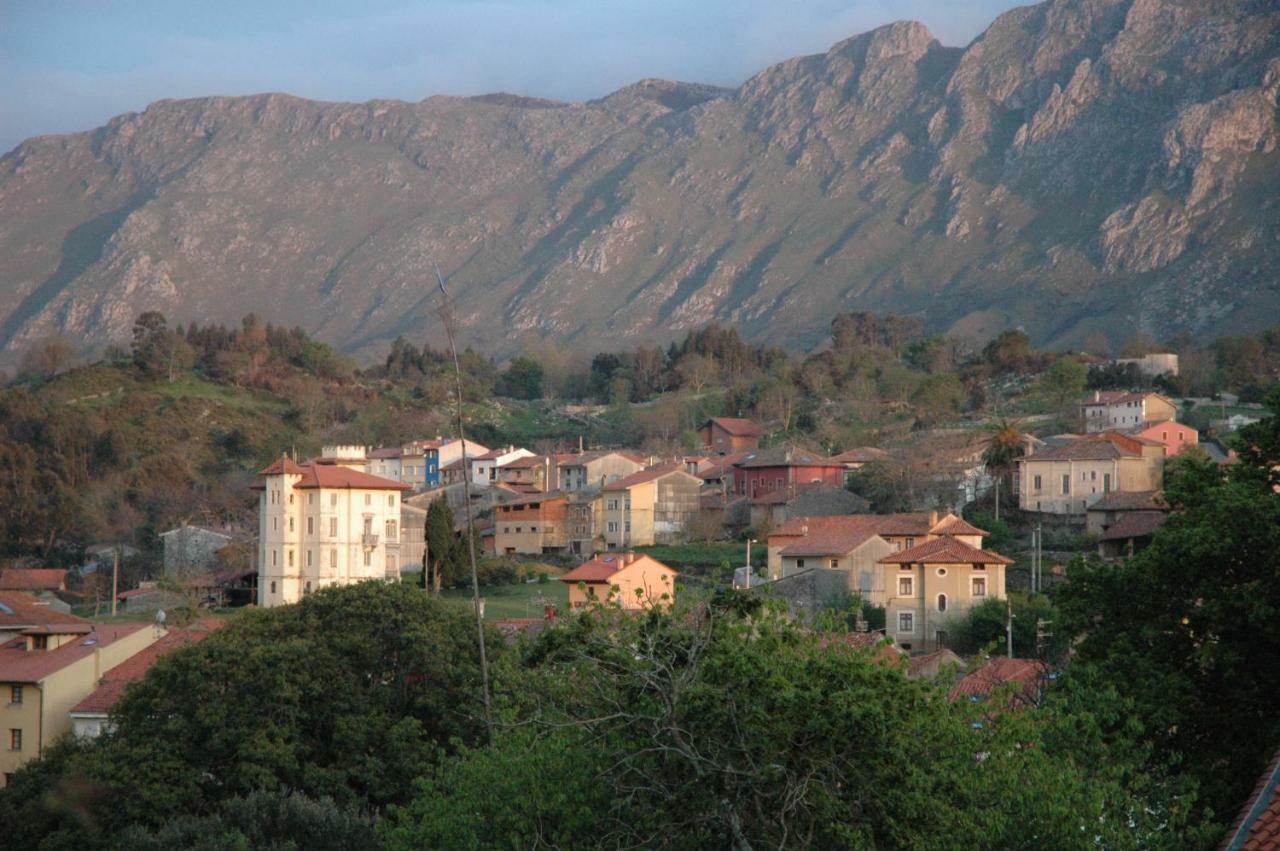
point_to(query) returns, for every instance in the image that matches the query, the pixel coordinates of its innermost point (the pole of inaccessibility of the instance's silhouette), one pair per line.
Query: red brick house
(785, 468)
(728, 434)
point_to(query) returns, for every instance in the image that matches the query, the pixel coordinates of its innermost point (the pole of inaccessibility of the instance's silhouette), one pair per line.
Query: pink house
(1175, 436)
(785, 468)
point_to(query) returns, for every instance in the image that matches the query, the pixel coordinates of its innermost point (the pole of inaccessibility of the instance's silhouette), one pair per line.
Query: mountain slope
(1084, 166)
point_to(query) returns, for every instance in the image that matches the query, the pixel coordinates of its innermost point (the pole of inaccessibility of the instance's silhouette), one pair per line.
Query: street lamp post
(750, 541)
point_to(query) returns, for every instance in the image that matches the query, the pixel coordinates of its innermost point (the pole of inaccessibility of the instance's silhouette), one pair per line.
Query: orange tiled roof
(883, 524)
(644, 476)
(22, 611)
(945, 550)
(19, 665)
(1257, 828)
(285, 465)
(33, 579)
(736, 426)
(953, 524)
(113, 684)
(603, 567)
(998, 672)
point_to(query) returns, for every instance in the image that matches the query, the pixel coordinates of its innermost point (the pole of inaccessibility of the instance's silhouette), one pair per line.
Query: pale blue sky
(68, 65)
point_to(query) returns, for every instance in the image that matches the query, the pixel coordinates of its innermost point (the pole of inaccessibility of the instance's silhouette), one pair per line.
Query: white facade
(484, 469)
(323, 527)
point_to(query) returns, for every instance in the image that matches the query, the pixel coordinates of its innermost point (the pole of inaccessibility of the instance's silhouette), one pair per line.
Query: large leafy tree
(347, 695)
(1187, 628)
(730, 731)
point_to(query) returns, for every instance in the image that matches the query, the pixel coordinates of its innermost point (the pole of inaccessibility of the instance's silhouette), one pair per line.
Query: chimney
(1097, 395)
(933, 519)
(629, 557)
(804, 529)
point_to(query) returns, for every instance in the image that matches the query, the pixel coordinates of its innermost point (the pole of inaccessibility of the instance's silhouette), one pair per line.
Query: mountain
(1083, 167)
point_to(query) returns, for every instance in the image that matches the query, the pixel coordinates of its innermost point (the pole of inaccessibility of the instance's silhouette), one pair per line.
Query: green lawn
(516, 601)
(702, 558)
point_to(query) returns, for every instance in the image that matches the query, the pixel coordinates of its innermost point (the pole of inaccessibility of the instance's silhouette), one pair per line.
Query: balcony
(369, 540)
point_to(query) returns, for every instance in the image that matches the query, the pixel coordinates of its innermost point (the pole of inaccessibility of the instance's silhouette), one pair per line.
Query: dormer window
(39, 642)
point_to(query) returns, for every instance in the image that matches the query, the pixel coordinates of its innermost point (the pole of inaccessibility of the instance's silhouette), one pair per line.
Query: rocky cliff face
(1084, 166)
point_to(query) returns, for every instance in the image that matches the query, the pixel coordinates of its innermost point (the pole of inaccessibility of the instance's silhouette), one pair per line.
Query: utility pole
(446, 316)
(1008, 626)
(997, 497)
(750, 541)
(115, 578)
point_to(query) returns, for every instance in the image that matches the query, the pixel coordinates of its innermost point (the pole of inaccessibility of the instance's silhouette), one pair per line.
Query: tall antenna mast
(446, 316)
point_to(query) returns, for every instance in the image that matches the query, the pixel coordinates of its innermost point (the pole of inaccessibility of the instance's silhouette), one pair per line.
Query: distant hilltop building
(1108, 410)
(1160, 363)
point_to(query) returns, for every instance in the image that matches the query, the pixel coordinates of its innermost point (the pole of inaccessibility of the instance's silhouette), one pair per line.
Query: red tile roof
(945, 551)
(285, 465)
(113, 684)
(834, 538)
(1113, 397)
(736, 426)
(645, 476)
(1258, 825)
(998, 672)
(1100, 447)
(21, 611)
(954, 524)
(603, 567)
(17, 664)
(386, 452)
(525, 462)
(33, 579)
(786, 456)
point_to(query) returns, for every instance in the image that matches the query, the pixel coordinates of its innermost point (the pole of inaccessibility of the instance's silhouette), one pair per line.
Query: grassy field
(516, 601)
(702, 558)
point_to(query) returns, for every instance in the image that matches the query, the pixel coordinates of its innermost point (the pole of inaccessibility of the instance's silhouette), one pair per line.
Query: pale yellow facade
(653, 512)
(1071, 486)
(637, 586)
(922, 599)
(42, 712)
(316, 537)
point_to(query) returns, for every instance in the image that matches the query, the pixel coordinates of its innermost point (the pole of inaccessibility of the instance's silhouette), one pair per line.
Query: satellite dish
(160, 616)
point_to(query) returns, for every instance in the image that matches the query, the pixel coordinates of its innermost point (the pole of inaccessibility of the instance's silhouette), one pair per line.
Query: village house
(323, 525)
(900, 531)
(529, 473)
(729, 434)
(938, 581)
(855, 459)
(584, 521)
(585, 470)
(852, 547)
(532, 525)
(650, 507)
(1115, 506)
(1174, 436)
(627, 580)
(90, 717)
(189, 550)
(1109, 410)
(484, 468)
(1068, 478)
(721, 473)
(49, 667)
(785, 468)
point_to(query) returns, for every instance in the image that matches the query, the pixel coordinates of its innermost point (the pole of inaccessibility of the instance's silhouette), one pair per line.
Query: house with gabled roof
(933, 583)
(1174, 436)
(654, 506)
(33, 579)
(47, 669)
(581, 471)
(785, 468)
(1069, 477)
(531, 525)
(729, 434)
(1107, 410)
(627, 580)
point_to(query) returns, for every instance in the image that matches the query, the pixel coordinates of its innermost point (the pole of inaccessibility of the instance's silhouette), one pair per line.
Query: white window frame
(909, 578)
(974, 582)
(911, 621)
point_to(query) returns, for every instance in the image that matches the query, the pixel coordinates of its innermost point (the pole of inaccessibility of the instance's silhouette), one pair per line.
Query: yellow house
(650, 507)
(627, 580)
(1068, 478)
(46, 671)
(934, 582)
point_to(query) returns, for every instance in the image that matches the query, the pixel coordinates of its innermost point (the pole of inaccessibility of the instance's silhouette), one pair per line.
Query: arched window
(942, 602)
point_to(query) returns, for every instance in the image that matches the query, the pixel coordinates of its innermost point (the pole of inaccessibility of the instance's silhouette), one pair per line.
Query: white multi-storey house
(324, 524)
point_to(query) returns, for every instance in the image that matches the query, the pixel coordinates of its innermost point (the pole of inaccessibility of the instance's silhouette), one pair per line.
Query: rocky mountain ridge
(1084, 167)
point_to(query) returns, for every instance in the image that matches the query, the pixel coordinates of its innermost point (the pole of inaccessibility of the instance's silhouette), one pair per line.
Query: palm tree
(1005, 445)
